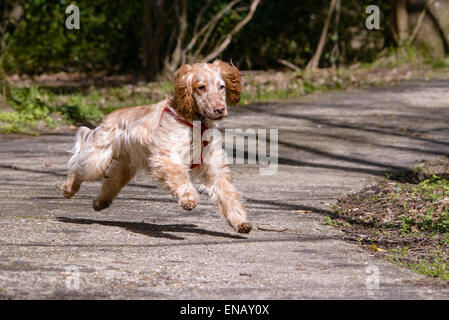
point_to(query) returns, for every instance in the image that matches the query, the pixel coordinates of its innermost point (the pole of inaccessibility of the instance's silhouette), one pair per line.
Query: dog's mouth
(220, 117)
(214, 116)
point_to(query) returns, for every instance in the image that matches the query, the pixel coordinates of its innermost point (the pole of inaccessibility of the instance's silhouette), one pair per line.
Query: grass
(439, 267)
(407, 216)
(434, 189)
(433, 214)
(330, 222)
(34, 108)
(434, 265)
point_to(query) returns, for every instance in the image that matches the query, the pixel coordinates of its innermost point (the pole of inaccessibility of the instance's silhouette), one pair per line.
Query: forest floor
(405, 218)
(144, 246)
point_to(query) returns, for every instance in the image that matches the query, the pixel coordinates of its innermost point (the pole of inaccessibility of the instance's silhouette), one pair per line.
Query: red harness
(189, 124)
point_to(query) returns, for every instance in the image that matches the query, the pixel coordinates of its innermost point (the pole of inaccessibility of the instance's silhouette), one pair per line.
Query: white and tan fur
(137, 138)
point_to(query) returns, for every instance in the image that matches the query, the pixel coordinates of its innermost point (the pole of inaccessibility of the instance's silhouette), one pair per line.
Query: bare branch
(240, 25)
(200, 15)
(203, 43)
(420, 20)
(182, 17)
(289, 65)
(209, 26)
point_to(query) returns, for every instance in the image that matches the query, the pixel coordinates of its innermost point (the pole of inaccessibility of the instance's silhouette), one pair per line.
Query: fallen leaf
(375, 248)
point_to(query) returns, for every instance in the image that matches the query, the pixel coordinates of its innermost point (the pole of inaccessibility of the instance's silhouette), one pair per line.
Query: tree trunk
(148, 60)
(439, 28)
(154, 32)
(401, 18)
(313, 63)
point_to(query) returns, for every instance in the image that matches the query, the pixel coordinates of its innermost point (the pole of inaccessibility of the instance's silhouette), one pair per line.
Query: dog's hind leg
(118, 175)
(91, 156)
(74, 179)
(72, 185)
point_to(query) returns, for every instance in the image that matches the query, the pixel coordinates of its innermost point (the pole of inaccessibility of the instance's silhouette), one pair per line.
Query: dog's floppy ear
(184, 102)
(231, 75)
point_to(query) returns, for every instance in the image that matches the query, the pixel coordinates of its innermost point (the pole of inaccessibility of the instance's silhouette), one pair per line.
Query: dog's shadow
(152, 230)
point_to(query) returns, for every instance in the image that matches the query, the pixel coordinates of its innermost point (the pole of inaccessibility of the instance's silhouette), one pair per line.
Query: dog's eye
(202, 88)
(222, 87)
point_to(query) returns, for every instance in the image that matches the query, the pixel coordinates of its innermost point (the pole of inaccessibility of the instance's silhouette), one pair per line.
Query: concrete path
(146, 247)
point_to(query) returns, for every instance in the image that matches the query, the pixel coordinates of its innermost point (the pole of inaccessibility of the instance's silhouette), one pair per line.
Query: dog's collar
(175, 115)
(181, 119)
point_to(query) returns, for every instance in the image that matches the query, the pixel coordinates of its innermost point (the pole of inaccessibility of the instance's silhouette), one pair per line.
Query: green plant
(329, 221)
(434, 188)
(437, 267)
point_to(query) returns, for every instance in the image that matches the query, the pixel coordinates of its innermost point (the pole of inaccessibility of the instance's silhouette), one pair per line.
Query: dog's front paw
(100, 204)
(67, 192)
(244, 227)
(188, 203)
(188, 200)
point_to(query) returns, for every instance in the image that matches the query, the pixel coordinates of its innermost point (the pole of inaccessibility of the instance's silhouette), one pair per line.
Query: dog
(158, 138)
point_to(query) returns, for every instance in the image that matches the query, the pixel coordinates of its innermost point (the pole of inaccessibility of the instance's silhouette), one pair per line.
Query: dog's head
(204, 88)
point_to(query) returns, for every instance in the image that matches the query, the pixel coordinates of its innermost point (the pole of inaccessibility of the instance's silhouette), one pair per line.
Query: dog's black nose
(219, 109)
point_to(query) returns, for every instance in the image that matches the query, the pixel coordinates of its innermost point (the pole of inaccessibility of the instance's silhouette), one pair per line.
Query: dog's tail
(81, 138)
(92, 153)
